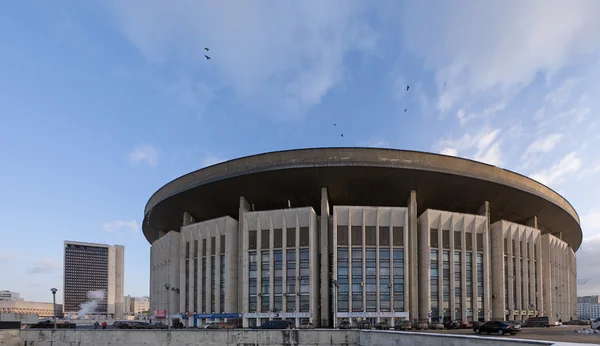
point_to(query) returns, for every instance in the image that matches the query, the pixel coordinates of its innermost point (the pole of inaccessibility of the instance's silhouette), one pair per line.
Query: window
(371, 235)
(469, 240)
(384, 236)
(277, 238)
(291, 272)
(252, 282)
(342, 235)
(434, 281)
(457, 240)
(457, 283)
(398, 235)
(304, 271)
(222, 285)
(291, 237)
(356, 235)
(446, 280)
(398, 284)
(479, 242)
(433, 238)
(265, 240)
(304, 236)
(213, 245)
(222, 244)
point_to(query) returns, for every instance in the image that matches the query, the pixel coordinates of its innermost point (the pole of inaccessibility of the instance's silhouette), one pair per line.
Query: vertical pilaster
(324, 249)
(243, 259)
(487, 273)
(412, 246)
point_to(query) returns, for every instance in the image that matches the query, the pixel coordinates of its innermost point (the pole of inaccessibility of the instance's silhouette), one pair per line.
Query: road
(560, 334)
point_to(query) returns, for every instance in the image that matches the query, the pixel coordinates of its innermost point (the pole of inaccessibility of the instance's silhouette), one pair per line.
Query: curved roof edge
(356, 156)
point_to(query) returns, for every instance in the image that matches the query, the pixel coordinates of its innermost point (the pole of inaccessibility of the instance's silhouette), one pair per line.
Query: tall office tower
(93, 274)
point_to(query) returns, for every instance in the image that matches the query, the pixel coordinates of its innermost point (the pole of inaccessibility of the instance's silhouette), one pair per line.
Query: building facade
(588, 311)
(24, 307)
(589, 299)
(345, 244)
(93, 272)
(12, 296)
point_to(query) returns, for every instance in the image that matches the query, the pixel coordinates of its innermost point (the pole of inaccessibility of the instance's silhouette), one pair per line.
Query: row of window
(434, 240)
(371, 236)
(265, 238)
(193, 252)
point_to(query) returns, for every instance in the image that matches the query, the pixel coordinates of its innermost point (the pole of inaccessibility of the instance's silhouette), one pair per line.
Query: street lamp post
(167, 287)
(54, 290)
(336, 285)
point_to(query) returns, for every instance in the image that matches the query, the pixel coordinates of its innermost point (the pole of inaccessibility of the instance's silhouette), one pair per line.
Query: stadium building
(343, 234)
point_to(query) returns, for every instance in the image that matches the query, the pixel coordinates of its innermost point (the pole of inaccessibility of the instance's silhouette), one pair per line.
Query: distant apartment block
(11, 296)
(136, 305)
(89, 268)
(588, 300)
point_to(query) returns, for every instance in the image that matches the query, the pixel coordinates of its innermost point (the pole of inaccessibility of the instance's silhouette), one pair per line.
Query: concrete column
(412, 265)
(547, 287)
(232, 258)
(243, 259)
(272, 264)
(463, 270)
(474, 268)
(533, 222)
(324, 250)
(519, 279)
(525, 268)
(452, 271)
(218, 274)
(424, 272)
(539, 294)
(188, 219)
(377, 263)
(498, 280)
(487, 273)
(315, 290)
(364, 262)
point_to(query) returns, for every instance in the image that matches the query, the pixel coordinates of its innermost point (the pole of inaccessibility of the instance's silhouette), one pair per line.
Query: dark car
(382, 325)
(50, 324)
(276, 324)
(542, 321)
(498, 327)
(363, 324)
(344, 325)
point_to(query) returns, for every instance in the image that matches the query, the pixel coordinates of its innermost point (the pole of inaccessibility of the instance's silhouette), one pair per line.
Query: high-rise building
(93, 273)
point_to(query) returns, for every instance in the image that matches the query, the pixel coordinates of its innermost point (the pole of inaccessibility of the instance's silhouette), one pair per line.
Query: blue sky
(104, 102)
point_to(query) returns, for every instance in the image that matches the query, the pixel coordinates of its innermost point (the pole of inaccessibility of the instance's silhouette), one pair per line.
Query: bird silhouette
(206, 49)
(334, 125)
(342, 135)
(407, 87)
(207, 57)
(405, 109)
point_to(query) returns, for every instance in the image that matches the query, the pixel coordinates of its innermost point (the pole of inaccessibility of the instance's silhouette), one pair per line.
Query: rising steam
(94, 297)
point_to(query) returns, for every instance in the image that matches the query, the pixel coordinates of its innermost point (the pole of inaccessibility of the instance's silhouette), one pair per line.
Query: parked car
(421, 325)
(345, 325)
(436, 326)
(537, 322)
(498, 327)
(363, 324)
(383, 325)
(596, 324)
(307, 325)
(50, 324)
(452, 325)
(465, 325)
(403, 325)
(476, 323)
(276, 324)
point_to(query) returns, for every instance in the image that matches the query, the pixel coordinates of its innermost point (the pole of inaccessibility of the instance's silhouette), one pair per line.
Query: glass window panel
(342, 235)
(291, 237)
(304, 236)
(384, 236)
(398, 235)
(433, 237)
(356, 235)
(371, 235)
(277, 238)
(265, 241)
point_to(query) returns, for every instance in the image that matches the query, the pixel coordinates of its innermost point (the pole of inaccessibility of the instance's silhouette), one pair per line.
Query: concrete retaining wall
(255, 337)
(10, 337)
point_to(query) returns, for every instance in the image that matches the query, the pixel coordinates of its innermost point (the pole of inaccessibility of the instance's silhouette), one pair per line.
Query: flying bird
(206, 49)
(334, 125)
(407, 87)
(405, 109)
(342, 135)
(207, 57)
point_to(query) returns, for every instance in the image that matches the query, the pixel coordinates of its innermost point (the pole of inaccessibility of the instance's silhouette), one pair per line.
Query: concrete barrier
(10, 337)
(239, 337)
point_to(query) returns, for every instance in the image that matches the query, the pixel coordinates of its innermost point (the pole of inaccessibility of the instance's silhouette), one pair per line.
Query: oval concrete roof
(359, 176)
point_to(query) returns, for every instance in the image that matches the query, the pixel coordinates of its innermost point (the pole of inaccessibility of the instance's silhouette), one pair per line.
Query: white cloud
(288, 59)
(590, 223)
(484, 146)
(44, 265)
(543, 145)
(449, 151)
(556, 174)
(588, 263)
(376, 143)
(120, 225)
(144, 153)
(210, 159)
(477, 46)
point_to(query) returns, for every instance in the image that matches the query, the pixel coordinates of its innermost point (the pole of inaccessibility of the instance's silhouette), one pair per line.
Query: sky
(103, 102)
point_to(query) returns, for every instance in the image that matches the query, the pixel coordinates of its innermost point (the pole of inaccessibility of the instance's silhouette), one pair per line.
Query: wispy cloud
(588, 263)
(590, 222)
(287, 60)
(120, 225)
(543, 145)
(376, 143)
(44, 266)
(144, 153)
(507, 42)
(7, 256)
(556, 174)
(485, 146)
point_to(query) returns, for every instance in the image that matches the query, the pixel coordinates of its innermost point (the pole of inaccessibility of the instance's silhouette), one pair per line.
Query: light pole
(54, 290)
(167, 286)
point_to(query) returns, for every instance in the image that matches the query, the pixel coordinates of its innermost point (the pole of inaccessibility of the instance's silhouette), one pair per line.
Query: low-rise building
(588, 300)
(12, 296)
(24, 307)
